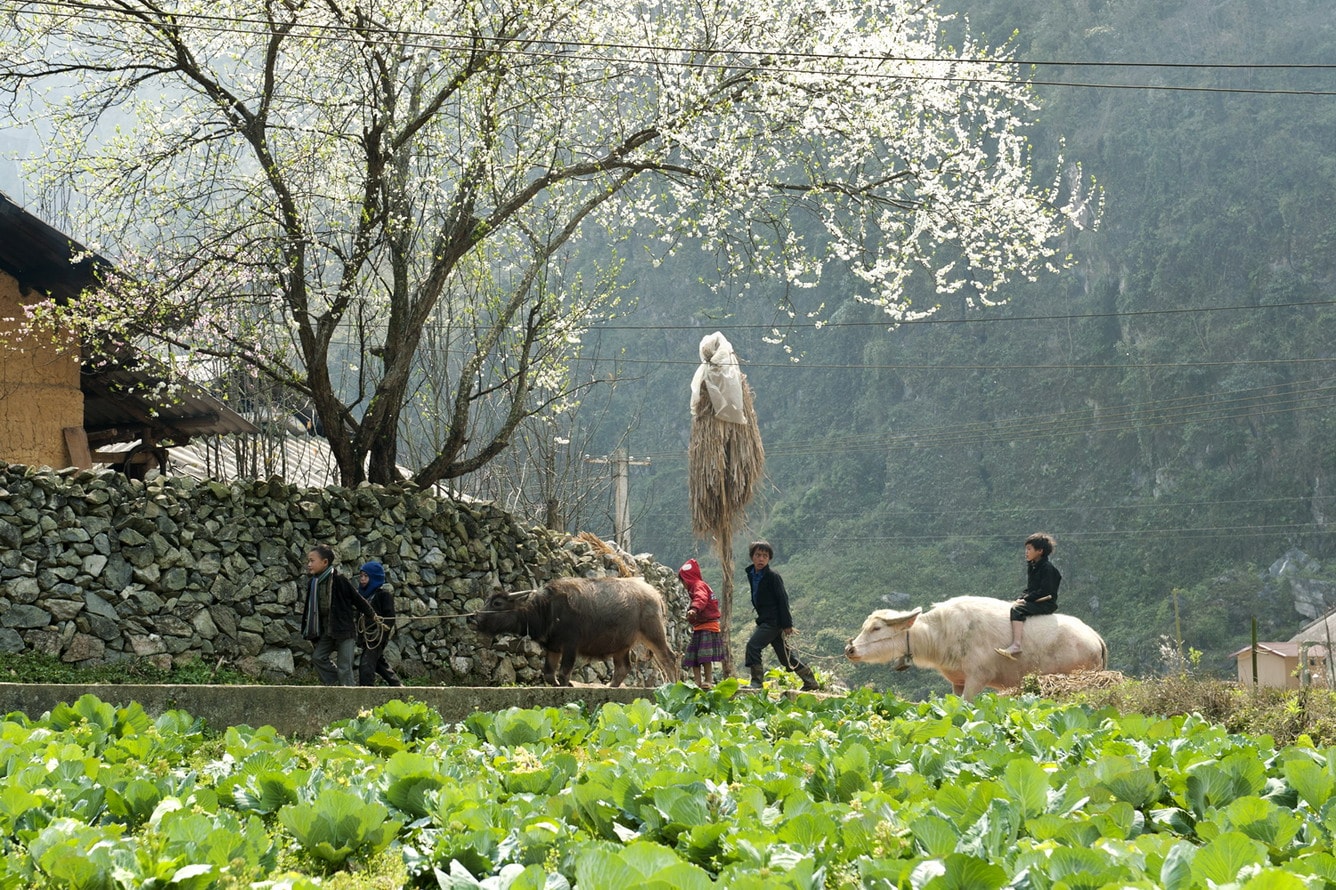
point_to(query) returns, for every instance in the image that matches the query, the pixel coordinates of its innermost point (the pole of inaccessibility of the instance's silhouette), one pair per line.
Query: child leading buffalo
(774, 623)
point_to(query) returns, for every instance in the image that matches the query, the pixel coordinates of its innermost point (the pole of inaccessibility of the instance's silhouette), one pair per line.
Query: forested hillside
(1164, 407)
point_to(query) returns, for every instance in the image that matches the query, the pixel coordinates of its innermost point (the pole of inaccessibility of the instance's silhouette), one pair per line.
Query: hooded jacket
(703, 599)
(375, 577)
(379, 594)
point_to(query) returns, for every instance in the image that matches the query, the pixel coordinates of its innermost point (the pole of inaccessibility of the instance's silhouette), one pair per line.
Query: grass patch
(1287, 715)
(31, 667)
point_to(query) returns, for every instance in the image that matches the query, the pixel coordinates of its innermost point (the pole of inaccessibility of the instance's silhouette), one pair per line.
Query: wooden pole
(621, 511)
(1178, 634)
(726, 599)
(1254, 653)
(620, 463)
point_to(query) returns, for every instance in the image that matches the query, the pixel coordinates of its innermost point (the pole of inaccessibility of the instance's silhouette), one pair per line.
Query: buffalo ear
(902, 620)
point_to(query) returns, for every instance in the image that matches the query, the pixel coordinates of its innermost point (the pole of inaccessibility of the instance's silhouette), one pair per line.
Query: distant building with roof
(59, 407)
(1299, 661)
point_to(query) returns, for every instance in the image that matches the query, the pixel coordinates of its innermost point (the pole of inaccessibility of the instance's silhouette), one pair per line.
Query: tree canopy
(372, 204)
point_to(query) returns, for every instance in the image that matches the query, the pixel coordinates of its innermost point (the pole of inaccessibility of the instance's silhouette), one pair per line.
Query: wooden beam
(76, 442)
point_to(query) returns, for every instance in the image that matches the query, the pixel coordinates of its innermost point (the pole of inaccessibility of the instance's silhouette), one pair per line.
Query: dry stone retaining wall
(96, 568)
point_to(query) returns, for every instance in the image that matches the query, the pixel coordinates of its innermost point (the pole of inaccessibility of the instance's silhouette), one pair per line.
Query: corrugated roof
(305, 461)
(302, 460)
(1321, 630)
(124, 396)
(1288, 649)
(122, 400)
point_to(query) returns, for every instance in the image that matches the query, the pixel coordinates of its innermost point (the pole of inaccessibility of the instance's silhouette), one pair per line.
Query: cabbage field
(687, 790)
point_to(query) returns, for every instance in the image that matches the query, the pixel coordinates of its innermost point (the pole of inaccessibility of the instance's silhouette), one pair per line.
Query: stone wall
(96, 568)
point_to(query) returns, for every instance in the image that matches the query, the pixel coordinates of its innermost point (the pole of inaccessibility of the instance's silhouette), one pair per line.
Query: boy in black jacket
(1040, 596)
(773, 621)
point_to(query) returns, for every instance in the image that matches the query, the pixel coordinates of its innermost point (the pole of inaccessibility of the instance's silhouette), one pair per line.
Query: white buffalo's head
(883, 638)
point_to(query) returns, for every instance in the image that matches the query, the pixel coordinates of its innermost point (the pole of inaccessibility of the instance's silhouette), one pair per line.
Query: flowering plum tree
(304, 189)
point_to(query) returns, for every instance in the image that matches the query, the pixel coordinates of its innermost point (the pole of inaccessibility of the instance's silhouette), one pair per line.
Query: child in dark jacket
(1041, 590)
(774, 623)
(372, 586)
(707, 643)
(329, 617)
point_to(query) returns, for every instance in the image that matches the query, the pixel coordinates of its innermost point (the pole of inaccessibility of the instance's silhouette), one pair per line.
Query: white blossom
(306, 178)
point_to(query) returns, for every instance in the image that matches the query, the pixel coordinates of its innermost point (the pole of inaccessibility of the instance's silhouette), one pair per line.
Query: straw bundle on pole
(725, 462)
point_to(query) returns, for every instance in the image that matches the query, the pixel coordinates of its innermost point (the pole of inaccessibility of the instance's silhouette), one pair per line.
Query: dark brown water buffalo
(589, 617)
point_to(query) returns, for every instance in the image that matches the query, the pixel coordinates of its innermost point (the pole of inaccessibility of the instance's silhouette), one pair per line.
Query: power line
(1237, 405)
(343, 33)
(449, 41)
(984, 319)
(348, 33)
(1142, 87)
(809, 366)
(1014, 436)
(347, 323)
(1040, 510)
(797, 540)
(1227, 532)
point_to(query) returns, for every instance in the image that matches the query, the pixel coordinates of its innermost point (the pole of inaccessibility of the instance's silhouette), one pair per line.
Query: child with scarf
(329, 617)
(372, 586)
(707, 643)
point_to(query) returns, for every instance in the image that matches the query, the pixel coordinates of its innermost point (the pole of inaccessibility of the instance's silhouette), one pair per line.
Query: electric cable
(937, 510)
(982, 319)
(810, 366)
(445, 42)
(1240, 405)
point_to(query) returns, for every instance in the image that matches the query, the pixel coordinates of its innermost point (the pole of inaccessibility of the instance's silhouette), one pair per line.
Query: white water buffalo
(960, 638)
(590, 617)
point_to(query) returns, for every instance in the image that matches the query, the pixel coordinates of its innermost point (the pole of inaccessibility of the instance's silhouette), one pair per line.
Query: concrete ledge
(306, 710)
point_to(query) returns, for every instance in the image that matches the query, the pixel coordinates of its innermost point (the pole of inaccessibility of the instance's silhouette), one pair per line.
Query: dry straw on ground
(1058, 685)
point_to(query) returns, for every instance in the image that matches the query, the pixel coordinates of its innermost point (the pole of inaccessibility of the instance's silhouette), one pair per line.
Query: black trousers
(1022, 610)
(772, 636)
(373, 663)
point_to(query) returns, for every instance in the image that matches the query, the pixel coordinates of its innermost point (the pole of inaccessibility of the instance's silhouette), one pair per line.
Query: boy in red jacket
(707, 643)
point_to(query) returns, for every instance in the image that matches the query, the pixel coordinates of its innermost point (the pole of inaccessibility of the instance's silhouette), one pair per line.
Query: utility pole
(621, 464)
